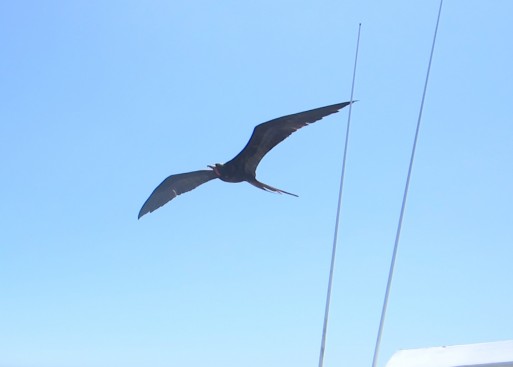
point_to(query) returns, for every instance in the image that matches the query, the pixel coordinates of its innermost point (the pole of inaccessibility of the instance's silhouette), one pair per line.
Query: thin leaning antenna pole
(403, 205)
(334, 250)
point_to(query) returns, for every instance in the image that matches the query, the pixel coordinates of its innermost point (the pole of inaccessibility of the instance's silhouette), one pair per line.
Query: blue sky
(101, 100)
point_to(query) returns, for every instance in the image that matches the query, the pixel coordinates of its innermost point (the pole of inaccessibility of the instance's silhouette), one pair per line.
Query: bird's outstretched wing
(269, 134)
(173, 186)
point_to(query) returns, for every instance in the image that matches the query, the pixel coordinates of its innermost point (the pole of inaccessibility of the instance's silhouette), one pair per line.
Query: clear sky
(101, 100)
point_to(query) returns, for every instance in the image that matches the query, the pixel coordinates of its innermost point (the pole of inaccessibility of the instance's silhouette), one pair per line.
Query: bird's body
(243, 166)
(230, 172)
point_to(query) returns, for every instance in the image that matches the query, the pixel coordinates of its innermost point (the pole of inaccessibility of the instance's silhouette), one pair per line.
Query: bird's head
(217, 168)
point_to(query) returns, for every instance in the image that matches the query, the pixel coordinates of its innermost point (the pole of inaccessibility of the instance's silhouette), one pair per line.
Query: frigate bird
(243, 167)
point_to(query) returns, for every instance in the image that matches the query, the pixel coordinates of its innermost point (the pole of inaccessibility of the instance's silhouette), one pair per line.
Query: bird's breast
(234, 173)
(229, 178)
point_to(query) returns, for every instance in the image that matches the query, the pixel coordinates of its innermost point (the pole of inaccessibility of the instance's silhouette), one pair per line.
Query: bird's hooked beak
(215, 169)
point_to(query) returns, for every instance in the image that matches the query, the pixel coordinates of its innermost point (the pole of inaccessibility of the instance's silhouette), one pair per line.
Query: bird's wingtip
(345, 104)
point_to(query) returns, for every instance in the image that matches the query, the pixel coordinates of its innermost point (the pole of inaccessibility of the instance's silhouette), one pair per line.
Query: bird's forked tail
(269, 188)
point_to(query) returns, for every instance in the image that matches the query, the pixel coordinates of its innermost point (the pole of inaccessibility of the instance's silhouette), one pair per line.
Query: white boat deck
(496, 354)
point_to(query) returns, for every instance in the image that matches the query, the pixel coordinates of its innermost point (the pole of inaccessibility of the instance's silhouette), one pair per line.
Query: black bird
(243, 167)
